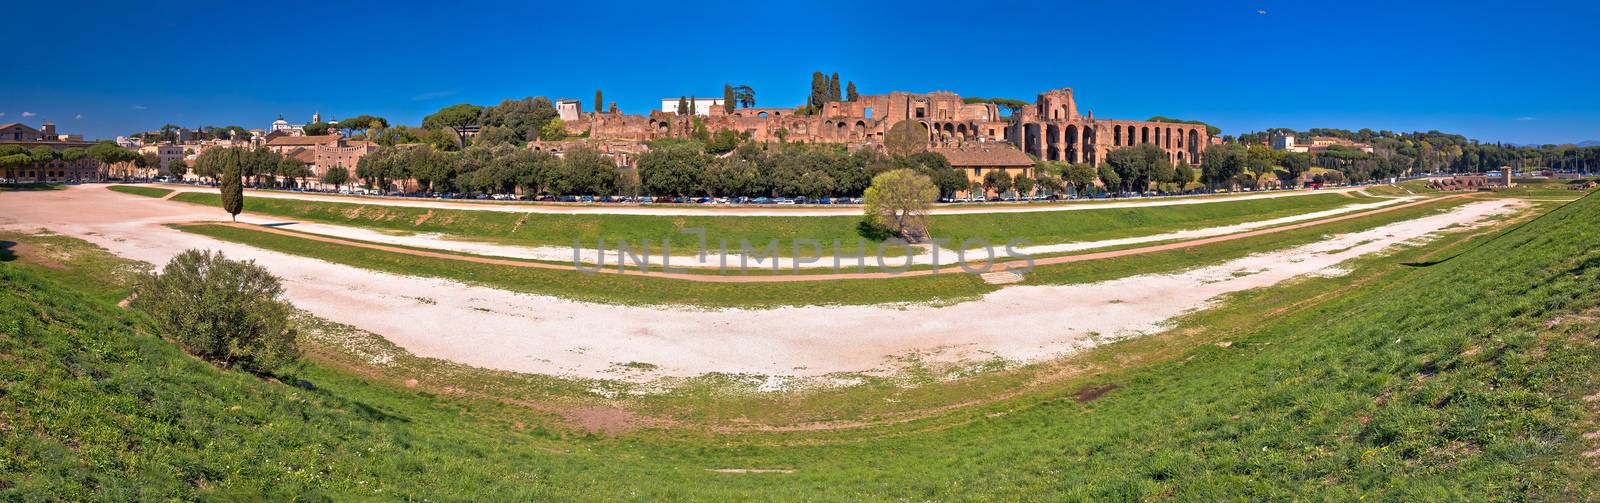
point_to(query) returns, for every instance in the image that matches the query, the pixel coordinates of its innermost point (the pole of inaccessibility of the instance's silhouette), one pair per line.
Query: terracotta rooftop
(985, 156)
(296, 141)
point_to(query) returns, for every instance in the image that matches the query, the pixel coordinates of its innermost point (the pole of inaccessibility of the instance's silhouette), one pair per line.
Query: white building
(702, 106)
(569, 110)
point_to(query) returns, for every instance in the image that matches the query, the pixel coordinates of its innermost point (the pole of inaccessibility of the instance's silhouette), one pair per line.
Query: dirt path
(755, 211)
(947, 256)
(503, 330)
(890, 263)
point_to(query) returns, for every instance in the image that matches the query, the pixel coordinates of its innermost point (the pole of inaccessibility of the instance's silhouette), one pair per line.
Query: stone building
(58, 170)
(1051, 129)
(1054, 130)
(976, 161)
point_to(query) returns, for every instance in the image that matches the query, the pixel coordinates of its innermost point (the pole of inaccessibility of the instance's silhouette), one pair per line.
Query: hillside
(1455, 371)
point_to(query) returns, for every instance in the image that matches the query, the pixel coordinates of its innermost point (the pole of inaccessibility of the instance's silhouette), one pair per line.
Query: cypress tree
(683, 105)
(597, 101)
(819, 90)
(232, 184)
(692, 110)
(833, 88)
(850, 93)
(727, 99)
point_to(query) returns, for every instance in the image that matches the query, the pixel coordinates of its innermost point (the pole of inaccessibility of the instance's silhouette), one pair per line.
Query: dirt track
(751, 211)
(891, 263)
(497, 329)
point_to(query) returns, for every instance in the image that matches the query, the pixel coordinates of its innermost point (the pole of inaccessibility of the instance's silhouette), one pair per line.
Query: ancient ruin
(1052, 129)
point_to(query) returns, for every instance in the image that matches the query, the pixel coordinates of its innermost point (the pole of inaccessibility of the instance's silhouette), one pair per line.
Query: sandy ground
(685, 247)
(752, 211)
(497, 329)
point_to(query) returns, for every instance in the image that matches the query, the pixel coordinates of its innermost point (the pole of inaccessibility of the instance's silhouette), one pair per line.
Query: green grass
(951, 286)
(562, 230)
(25, 187)
(1456, 379)
(141, 191)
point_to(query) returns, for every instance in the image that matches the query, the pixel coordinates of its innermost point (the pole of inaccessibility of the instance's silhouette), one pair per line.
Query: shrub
(229, 312)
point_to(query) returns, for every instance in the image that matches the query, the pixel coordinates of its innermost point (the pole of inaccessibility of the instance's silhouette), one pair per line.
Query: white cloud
(28, 114)
(139, 107)
(2, 114)
(1524, 119)
(79, 116)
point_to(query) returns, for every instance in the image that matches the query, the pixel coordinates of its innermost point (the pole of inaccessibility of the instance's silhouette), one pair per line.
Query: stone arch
(1144, 134)
(761, 115)
(861, 128)
(1194, 146)
(1169, 137)
(1116, 136)
(1074, 144)
(1052, 138)
(1089, 143)
(1030, 139)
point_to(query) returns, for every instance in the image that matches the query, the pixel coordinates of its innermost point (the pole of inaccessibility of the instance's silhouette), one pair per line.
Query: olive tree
(898, 200)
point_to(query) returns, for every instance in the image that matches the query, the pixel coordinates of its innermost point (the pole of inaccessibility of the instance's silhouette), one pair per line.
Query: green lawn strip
(1446, 382)
(28, 187)
(141, 191)
(947, 287)
(617, 289)
(563, 230)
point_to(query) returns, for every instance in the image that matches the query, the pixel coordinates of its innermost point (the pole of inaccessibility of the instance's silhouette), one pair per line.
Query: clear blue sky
(1521, 72)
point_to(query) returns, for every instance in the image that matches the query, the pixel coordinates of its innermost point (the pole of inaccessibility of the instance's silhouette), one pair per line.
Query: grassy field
(22, 187)
(943, 288)
(141, 191)
(1448, 372)
(562, 230)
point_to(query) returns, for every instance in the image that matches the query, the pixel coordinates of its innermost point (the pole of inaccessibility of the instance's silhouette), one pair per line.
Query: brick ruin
(1051, 129)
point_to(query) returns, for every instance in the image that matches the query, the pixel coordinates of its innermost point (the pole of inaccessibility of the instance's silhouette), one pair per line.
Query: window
(921, 112)
(977, 171)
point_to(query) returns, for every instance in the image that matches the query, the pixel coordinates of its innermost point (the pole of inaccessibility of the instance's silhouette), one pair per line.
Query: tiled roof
(296, 141)
(985, 156)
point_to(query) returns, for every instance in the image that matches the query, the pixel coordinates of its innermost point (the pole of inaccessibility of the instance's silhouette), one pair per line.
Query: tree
(906, 138)
(336, 176)
(833, 88)
(554, 130)
(819, 91)
(1081, 177)
(1222, 163)
(997, 181)
(1182, 174)
(316, 129)
(585, 171)
(898, 201)
(525, 116)
(292, 169)
(178, 168)
(1109, 177)
(745, 94)
(850, 92)
(683, 105)
(1024, 185)
(729, 99)
(364, 123)
(598, 102)
(109, 153)
(674, 170)
(497, 135)
(232, 184)
(455, 118)
(228, 312)
(1296, 164)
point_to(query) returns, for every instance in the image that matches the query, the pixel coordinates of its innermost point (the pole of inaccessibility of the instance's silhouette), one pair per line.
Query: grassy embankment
(945, 287)
(141, 191)
(563, 230)
(24, 187)
(1460, 376)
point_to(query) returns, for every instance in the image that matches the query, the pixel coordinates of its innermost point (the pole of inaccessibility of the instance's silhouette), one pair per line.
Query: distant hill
(1589, 143)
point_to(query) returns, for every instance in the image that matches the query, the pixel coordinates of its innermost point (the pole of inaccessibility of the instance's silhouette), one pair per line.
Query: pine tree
(833, 88)
(850, 92)
(597, 101)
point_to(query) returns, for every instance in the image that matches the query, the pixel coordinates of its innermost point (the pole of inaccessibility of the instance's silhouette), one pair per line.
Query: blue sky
(1519, 72)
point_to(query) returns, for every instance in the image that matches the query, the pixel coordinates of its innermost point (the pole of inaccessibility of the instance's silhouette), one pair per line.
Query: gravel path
(497, 329)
